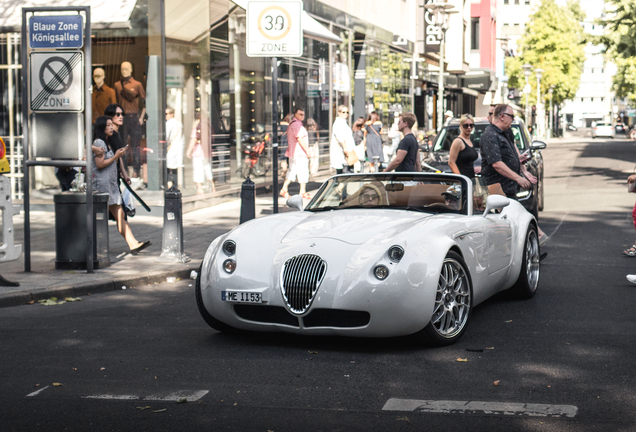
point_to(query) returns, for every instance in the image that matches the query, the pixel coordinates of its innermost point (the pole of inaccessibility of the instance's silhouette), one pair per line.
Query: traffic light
(534, 110)
(4, 163)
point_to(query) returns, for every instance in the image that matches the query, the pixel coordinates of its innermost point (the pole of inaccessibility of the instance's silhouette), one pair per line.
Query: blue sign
(62, 31)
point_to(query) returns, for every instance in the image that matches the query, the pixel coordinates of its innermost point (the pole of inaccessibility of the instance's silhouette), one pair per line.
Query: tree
(555, 42)
(619, 42)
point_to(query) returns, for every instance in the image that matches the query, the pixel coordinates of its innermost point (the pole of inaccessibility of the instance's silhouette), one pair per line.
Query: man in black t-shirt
(407, 158)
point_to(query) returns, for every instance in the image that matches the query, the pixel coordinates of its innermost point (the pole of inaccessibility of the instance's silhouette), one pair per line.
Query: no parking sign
(57, 81)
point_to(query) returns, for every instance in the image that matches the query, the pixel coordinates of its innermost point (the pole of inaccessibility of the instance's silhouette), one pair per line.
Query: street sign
(60, 31)
(274, 29)
(56, 81)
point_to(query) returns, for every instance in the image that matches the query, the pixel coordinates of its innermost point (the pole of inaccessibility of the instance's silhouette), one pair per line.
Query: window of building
(506, 2)
(474, 33)
(516, 2)
(527, 2)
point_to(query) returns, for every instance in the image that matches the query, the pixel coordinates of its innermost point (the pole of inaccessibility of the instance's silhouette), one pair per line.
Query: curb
(24, 298)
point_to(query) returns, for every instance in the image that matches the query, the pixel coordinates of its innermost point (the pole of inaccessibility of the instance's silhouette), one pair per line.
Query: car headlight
(523, 193)
(381, 272)
(229, 247)
(396, 253)
(229, 265)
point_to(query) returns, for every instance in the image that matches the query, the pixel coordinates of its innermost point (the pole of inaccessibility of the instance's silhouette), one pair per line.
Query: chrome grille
(301, 278)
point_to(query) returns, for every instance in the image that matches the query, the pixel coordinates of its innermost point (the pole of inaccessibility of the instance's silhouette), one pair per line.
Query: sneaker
(632, 278)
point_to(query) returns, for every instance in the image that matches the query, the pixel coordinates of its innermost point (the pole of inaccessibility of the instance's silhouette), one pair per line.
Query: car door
(499, 242)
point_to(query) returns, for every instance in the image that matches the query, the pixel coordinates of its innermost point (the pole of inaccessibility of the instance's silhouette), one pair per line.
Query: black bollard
(172, 245)
(248, 201)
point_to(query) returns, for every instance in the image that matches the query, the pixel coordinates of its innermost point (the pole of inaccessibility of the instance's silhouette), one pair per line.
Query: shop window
(474, 33)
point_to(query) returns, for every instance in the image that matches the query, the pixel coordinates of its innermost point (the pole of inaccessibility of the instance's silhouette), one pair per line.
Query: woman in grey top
(105, 179)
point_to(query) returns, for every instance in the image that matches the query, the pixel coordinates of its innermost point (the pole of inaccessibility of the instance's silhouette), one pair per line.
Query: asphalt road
(126, 360)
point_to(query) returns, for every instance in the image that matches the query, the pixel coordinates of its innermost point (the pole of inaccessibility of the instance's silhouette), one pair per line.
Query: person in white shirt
(175, 142)
(341, 142)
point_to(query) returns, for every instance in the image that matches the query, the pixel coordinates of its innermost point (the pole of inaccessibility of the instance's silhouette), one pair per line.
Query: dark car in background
(436, 158)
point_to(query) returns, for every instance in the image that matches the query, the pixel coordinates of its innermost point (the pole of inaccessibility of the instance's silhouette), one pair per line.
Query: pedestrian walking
(298, 154)
(407, 158)
(105, 179)
(360, 143)
(631, 252)
(462, 153)
(373, 128)
(174, 152)
(342, 142)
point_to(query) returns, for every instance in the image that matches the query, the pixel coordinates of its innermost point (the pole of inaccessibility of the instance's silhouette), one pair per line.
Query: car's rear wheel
(209, 319)
(453, 302)
(528, 281)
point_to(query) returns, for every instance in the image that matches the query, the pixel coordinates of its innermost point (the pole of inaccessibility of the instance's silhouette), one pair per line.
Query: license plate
(241, 297)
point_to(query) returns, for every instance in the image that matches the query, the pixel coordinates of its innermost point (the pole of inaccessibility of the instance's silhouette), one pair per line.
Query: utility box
(70, 231)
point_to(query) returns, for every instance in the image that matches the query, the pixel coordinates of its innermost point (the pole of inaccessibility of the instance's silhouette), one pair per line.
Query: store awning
(104, 13)
(312, 28)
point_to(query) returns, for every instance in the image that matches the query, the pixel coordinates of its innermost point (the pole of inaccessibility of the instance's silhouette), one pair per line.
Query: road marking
(499, 408)
(37, 392)
(190, 395)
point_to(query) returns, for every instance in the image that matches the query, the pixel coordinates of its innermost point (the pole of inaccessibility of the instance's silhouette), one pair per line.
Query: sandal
(306, 195)
(141, 247)
(631, 252)
(284, 194)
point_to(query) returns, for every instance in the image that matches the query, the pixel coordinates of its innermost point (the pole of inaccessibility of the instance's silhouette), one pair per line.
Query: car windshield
(431, 193)
(449, 133)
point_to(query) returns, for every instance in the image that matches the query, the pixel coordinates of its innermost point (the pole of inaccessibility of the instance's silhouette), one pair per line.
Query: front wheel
(453, 302)
(528, 281)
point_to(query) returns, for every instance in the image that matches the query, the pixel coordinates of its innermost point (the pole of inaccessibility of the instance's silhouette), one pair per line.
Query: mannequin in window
(131, 95)
(102, 94)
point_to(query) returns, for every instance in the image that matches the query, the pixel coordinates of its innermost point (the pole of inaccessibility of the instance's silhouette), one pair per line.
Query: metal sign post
(274, 29)
(55, 81)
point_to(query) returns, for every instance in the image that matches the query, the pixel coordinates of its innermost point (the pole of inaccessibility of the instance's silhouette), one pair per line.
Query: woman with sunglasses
(462, 152)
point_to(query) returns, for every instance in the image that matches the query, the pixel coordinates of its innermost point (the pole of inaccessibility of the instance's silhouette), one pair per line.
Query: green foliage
(619, 40)
(553, 41)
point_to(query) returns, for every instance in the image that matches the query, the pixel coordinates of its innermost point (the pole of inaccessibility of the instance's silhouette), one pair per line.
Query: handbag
(352, 157)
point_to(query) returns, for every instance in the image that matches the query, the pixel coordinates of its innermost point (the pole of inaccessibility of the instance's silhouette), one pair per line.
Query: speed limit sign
(274, 29)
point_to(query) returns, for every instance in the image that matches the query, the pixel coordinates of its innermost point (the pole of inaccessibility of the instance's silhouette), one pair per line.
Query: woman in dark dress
(374, 140)
(462, 153)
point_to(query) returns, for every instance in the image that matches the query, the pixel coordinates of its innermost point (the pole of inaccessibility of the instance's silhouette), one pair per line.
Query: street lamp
(527, 70)
(442, 11)
(540, 120)
(551, 121)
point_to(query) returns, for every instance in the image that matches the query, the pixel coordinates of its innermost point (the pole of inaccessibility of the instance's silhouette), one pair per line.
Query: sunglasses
(509, 115)
(119, 114)
(490, 113)
(369, 197)
(468, 125)
(344, 112)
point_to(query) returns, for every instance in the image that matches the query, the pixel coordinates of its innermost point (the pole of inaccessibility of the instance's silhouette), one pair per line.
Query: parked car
(603, 130)
(372, 255)
(437, 158)
(620, 129)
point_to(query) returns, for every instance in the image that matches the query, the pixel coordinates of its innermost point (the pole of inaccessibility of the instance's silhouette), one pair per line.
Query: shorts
(298, 167)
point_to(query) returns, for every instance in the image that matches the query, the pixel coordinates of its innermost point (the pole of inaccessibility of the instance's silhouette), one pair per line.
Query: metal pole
(440, 84)
(25, 142)
(527, 107)
(275, 132)
(88, 120)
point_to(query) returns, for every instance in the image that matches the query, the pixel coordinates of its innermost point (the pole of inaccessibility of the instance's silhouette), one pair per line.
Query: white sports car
(376, 255)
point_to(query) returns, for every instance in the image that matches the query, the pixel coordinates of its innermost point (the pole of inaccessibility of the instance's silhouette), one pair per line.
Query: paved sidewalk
(200, 228)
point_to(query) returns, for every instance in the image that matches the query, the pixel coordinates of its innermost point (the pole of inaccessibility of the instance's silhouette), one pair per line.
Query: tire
(453, 303)
(528, 281)
(209, 319)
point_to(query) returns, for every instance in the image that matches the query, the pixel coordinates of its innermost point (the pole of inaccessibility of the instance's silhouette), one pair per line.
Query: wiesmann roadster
(377, 255)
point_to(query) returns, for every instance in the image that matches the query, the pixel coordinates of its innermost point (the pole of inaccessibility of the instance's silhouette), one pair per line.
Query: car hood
(354, 226)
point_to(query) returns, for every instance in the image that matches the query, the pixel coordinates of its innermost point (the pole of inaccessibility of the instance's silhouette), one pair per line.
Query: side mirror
(538, 145)
(495, 202)
(296, 202)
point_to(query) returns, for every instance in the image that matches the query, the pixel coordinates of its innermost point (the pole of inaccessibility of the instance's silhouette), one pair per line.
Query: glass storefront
(198, 110)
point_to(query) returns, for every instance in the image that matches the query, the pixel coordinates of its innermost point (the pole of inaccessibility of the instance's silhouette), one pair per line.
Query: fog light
(396, 253)
(381, 272)
(229, 248)
(229, 266)
(523, 193)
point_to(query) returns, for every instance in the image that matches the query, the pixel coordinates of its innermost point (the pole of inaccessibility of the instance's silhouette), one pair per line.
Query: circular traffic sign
(56, 72)
(274, 23)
